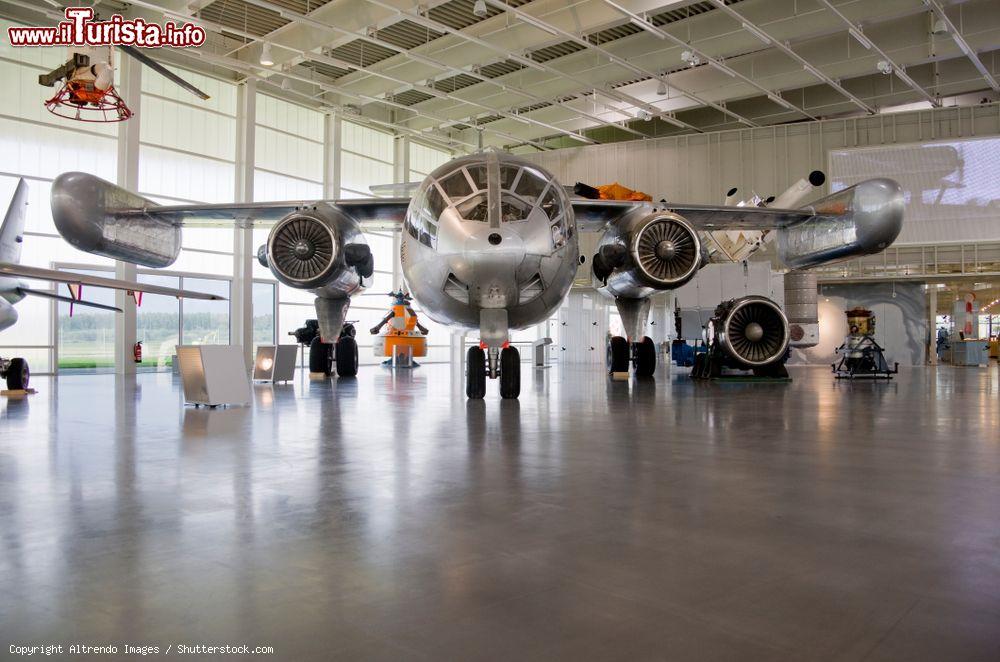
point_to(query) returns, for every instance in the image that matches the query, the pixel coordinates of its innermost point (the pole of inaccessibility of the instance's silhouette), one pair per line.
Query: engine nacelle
(83, 210)
(640, 256)
(321, 249)
(752, 332)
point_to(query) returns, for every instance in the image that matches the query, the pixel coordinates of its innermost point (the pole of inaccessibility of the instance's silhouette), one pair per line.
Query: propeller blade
(163, 71)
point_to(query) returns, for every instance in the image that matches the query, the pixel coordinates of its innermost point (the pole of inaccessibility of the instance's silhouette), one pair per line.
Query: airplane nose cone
(665, 250)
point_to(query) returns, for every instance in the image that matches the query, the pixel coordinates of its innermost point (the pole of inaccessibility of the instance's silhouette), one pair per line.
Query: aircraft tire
(618, 354)
(510, 373)
(645, 358)
(18, 374)
(347, 357)
(475, 375)
(320, 356)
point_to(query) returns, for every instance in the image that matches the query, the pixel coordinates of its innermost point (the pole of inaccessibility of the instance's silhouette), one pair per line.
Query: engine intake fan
(753, 331)
(666, 252)
(302, 250)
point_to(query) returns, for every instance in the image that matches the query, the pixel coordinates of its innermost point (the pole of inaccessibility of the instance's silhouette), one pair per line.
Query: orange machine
(401, 332)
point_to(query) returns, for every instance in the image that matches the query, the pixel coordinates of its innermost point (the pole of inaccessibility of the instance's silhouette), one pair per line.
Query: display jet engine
(489, 243)
(652, 248)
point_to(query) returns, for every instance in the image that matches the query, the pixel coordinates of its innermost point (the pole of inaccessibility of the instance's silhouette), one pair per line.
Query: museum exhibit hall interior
(500, 330)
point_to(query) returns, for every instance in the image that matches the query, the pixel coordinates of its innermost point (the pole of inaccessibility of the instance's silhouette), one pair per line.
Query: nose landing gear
(503, 363)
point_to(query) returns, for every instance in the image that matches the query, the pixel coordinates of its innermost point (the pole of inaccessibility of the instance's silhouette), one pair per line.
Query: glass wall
(288, 165)
(38, 146)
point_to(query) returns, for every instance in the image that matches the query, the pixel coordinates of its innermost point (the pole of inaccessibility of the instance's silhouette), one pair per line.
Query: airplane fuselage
(489, 240)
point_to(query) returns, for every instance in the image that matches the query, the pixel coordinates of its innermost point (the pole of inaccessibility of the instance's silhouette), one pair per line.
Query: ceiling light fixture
(690, 58)
(661, 87)
(884, 66)
(479, 9)
(265, 55)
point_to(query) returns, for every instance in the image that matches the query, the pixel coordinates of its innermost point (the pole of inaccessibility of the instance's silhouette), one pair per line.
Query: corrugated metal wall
(701, 167)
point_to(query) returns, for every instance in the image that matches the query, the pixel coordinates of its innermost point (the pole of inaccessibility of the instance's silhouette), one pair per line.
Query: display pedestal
(275, 363)
(214, 375)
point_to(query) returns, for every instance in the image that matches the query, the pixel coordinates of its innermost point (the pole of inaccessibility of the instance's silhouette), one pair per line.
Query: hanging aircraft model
(12, 289)
(489, 244)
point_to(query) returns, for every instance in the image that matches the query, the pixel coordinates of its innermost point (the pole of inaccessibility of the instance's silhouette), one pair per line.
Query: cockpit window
(475, 208)
(435, 202)
(530, 185)
(479, 177)
(550, 203)
(513, 208)
(508, 175)
(456, 185)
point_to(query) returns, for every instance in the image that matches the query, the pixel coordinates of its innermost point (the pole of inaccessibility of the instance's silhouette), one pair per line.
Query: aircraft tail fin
(12, 230)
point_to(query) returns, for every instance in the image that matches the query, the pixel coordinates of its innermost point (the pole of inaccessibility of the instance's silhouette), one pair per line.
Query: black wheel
(320, 356)
(17, 374)
(475, 375)
(510, 373)
(618, 354)
(698, 367)
(645, 358)
(347, 357)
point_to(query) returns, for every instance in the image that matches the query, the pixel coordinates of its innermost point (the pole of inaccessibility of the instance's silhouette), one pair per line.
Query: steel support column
(127, 177)
(241, 292)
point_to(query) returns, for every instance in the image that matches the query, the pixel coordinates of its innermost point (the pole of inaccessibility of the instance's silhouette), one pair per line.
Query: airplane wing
(79, 198)
(595, 215)
(58, 297)
(371, 214)
(38, 273)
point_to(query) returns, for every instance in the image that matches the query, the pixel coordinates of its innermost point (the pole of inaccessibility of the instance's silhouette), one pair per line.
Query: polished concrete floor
(388, 518)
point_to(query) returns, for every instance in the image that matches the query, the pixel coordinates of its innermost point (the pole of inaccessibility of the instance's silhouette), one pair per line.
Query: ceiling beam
(856, 32)
(963, 45)
(531, 20)
(784, 48)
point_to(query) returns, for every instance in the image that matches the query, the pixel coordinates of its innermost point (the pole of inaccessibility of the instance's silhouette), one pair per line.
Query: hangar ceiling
(553, 73)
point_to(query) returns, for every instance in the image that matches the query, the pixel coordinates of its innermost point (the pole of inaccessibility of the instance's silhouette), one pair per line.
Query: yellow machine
(402, 336)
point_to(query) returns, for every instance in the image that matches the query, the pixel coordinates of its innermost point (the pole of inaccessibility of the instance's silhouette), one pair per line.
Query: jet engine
(319, 249)
(750, 333)
(322, 250)
(658, 251)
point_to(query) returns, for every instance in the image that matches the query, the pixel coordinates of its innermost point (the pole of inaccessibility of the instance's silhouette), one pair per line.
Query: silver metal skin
(83, 209)
(489, 244)
(754, 331)
(860, 220)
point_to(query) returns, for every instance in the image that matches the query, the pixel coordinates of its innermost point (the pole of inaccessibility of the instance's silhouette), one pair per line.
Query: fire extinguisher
(137, 352)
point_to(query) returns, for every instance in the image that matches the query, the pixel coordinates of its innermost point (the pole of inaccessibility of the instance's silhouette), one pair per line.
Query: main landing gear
(16, 372)
(642, 356)
(493, 362)
(344, 353)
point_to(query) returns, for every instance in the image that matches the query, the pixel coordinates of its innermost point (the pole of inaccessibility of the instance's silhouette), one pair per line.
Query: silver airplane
(490, 244)
(13, 290)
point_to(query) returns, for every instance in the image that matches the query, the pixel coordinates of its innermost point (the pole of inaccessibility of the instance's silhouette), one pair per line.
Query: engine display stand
(862, 358)
(710, 366)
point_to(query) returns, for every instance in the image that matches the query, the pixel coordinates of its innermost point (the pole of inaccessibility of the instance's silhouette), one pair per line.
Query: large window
(366, 159)
(288, 165)
(38, 146)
